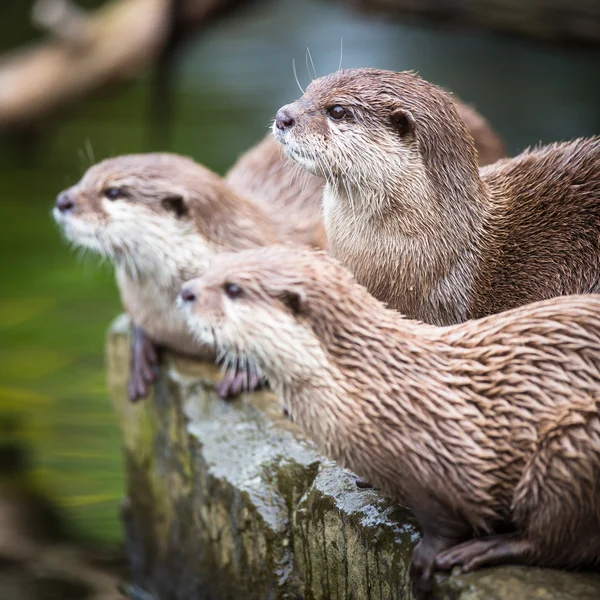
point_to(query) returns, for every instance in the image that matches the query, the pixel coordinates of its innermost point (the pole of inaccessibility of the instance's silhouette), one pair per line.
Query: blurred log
(89, 51)
(573, 21)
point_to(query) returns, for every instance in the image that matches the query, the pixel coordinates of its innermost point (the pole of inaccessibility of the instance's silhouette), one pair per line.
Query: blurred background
(206, 87)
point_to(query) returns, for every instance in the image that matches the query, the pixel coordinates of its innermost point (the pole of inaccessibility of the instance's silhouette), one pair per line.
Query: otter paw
(144, 365)
(236, 382)
(492, 550)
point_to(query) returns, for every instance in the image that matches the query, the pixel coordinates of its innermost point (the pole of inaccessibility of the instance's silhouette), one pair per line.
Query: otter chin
(480, 428)
(407, 210)
(160, 218)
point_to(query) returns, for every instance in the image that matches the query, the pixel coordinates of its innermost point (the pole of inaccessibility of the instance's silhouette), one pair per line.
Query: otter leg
(492, 550)
(144, 364)
(423, 564)
(440, 532)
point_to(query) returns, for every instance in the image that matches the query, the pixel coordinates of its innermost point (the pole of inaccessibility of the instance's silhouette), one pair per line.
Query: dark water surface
(55, 307)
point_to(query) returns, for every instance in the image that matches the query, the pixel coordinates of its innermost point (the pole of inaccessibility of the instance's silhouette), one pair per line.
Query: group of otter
(428, 321)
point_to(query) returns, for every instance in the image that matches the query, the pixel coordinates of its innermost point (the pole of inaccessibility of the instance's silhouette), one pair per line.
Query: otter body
(542, 233)
(408, 212)
(483, 427)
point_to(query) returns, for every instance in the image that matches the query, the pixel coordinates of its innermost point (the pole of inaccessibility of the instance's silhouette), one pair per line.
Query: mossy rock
(227, 500)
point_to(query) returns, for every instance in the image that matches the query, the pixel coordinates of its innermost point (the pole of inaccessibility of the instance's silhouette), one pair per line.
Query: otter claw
(144, 365)
(363, 484)
(236, 382)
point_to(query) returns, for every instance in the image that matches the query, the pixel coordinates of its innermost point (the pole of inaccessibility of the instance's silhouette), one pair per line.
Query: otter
(488, 430)
(159, 218)
(408, 212)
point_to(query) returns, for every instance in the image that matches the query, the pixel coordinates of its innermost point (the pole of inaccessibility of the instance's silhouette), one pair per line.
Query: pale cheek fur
(285, 351)
(307, 150)
(198, 324)
(152, 244)
(86, 233)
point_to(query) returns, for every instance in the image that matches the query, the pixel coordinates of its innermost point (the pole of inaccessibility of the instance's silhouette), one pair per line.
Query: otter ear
(294, 299)
(403, 121)
(175, 204)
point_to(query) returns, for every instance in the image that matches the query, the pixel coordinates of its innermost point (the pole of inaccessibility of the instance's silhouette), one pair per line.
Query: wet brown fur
(267, 176)
(493, 422)
(408, 212)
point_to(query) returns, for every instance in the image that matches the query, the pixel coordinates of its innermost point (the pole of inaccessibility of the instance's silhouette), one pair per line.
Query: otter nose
(64, 202)
(188, 293)
(283, 119)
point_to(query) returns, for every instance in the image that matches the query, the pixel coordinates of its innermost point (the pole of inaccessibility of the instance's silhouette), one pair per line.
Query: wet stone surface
(227, 500)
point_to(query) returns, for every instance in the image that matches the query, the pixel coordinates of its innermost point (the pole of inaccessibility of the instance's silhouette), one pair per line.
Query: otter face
(352, 128)
(256, 313)
(130, 210)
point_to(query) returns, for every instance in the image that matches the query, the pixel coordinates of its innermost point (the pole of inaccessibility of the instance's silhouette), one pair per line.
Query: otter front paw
(144, 365)
(236, 382)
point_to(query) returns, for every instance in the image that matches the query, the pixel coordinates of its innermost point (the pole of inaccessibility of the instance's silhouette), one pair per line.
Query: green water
(55, 307)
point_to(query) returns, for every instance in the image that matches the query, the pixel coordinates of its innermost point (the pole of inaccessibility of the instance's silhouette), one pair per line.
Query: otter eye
(232, 290)
(176, 205)
(112, 193)
(337, 112)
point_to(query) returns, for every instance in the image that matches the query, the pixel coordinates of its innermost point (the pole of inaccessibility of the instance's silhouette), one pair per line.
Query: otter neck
(330, 404)
(415, 244)
(169, 266)
(236, 223)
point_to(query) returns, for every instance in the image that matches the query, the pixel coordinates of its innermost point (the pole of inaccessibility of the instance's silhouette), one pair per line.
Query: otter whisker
(82, 161)
(90, 151)
(297, 173)
(296, 74)
(222, 361)
(309, 56)
(246, 378)
(230, 361)
(341, 53)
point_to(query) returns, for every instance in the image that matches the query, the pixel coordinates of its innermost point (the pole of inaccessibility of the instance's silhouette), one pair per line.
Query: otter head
(137, 210)
(276, 307)
(378, 135)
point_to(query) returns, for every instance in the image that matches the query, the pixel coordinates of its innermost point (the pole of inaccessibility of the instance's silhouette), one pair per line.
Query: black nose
(283, 120)
(188, 294)
(64, 202)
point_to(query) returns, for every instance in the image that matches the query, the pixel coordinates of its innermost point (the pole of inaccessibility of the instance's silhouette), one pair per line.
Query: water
(55, 307)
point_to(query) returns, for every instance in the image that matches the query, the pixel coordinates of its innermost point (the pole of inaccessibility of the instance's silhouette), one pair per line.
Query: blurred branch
(65, 21)
(89, 51)
(573, 21)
